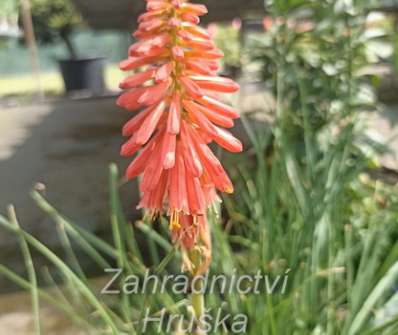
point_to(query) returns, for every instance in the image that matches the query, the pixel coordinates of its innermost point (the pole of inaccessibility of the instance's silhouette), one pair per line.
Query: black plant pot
(83, 74)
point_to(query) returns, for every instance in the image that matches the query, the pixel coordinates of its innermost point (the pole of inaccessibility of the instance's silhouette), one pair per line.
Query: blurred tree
(227, 38)
(54, 20)
(309, 38)
(8, 19)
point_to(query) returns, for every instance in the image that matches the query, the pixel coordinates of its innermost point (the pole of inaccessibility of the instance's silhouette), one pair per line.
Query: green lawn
(51, 81)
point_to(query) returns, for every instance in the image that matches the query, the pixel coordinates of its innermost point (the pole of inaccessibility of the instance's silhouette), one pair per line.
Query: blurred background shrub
(56, 20)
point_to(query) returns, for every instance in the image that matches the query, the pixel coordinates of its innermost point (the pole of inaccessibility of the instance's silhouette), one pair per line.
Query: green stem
(54, 259)
(31, 271)
(198, 305)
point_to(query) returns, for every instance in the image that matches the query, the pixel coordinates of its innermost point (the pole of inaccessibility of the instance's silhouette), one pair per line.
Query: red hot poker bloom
(175, 85)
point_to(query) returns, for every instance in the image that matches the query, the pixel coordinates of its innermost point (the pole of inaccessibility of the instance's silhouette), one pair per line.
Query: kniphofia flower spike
(175, 86)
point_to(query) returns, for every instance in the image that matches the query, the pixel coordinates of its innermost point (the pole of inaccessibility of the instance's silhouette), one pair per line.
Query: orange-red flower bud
(174, 86)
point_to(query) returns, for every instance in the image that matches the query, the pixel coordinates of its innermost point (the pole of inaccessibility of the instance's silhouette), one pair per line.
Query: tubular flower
(175, 86)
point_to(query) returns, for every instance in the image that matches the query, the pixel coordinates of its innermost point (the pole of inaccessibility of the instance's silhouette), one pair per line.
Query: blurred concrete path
(16, 318)
(67, 146)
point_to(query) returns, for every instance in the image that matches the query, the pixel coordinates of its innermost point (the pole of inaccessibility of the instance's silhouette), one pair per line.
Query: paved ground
(67, 146)
(16, 318)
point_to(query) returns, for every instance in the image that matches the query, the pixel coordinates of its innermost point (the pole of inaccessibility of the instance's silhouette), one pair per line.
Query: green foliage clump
(7, 7)
(8, 20)
(54, 20)
(227, 38)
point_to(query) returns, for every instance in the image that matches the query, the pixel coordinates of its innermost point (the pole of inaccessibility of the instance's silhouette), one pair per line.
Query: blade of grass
(91, 298)
(379, 330)
(166, 260)
(51, 282)
(125, 227)
(65, 308)
(70, 254)
(119, 242)
(76, 230)
(153, 235)
(384, 285)
(30, 268)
